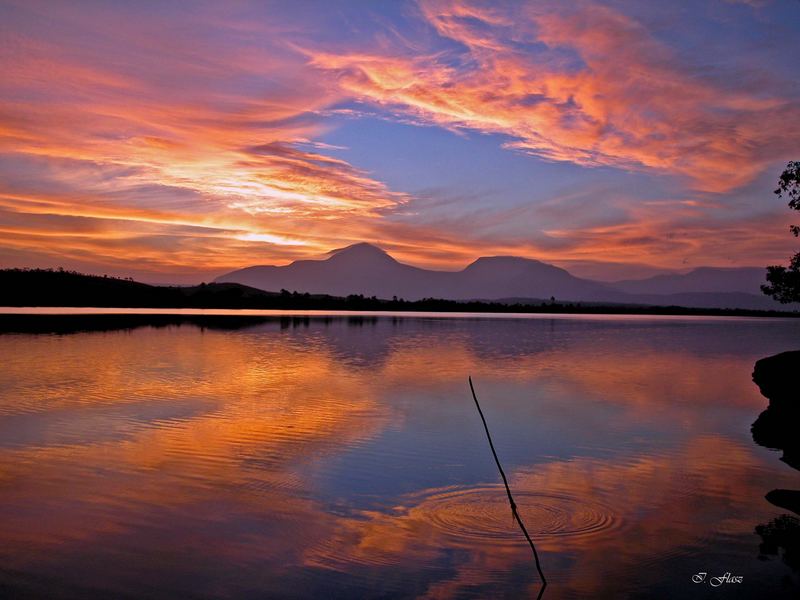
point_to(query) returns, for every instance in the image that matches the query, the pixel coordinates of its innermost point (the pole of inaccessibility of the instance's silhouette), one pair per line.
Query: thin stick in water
(508, 490)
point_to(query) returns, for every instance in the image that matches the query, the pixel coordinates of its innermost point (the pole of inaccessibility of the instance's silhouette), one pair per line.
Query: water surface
(342, 456)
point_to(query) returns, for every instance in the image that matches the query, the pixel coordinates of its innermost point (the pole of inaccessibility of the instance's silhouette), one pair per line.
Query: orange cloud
(586, 85)
(190, 161)
(164, 142)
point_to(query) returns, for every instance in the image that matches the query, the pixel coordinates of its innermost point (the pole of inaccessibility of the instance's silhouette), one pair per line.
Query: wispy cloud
(168, 140)
(583, 84)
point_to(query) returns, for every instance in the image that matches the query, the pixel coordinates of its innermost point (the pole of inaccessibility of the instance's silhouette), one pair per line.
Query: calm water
(343, 457)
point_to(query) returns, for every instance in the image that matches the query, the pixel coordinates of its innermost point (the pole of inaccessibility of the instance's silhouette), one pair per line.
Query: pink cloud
(623, 99)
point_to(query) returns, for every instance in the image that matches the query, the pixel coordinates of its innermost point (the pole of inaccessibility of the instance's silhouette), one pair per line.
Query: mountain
(509, 276)
(495, 284)
(358, 269)
(746, 280)
(368, 270)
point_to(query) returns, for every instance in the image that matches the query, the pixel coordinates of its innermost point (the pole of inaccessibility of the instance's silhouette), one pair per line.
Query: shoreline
(63, 320)
(491, 311)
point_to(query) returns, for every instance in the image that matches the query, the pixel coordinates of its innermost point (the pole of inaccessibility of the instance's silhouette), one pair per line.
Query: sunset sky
(173, 142)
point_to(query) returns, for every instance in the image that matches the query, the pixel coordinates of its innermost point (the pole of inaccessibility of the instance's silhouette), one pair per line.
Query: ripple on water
(476, 519)
(481, 515)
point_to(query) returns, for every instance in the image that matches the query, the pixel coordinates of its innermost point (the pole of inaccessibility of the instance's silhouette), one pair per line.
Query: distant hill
(366, 269)
(44, 287)
(745, 280)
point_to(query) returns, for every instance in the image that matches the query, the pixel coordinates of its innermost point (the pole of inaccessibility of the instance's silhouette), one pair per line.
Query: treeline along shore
(60, 288)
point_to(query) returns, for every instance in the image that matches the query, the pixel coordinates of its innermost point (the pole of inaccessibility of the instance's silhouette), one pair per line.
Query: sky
(173, 142)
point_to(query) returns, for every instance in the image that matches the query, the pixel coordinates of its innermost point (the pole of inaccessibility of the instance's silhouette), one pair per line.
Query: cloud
(585, 85)
(125, 131)
(149, 132)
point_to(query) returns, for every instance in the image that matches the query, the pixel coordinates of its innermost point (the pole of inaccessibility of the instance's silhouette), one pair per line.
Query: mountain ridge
(366, 269)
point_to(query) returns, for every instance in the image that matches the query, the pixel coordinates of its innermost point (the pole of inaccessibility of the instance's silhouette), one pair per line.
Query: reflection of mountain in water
(776, 428)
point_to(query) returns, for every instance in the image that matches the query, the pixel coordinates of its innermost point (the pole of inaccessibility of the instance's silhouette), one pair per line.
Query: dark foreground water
(343, 458)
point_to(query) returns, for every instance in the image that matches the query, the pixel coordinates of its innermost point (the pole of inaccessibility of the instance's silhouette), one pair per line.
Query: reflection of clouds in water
(638, 510)
(179, 456)
(278, 406)
(366, 341)
(100, 423)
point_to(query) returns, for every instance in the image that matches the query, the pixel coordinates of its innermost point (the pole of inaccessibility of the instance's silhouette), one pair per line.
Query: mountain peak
(361, 251)
(505, 259)
(506, 262)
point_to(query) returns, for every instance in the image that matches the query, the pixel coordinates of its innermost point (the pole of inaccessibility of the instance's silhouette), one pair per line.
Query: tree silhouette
(784, 282)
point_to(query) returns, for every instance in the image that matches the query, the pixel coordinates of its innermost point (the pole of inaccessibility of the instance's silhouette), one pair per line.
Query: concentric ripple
(482, 515)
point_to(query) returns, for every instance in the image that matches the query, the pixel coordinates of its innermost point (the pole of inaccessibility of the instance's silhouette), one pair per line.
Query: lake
(342, 456)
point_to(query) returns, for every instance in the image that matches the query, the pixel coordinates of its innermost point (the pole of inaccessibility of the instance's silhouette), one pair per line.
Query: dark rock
(778, 378)
(775, 430)
(778, 427)
(788, 499)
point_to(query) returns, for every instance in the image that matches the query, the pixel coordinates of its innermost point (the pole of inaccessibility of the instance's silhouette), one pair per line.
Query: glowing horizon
(611, 139)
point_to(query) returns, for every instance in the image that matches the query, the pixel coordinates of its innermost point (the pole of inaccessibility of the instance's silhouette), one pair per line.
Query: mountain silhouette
(366, 269)
(745, 280)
